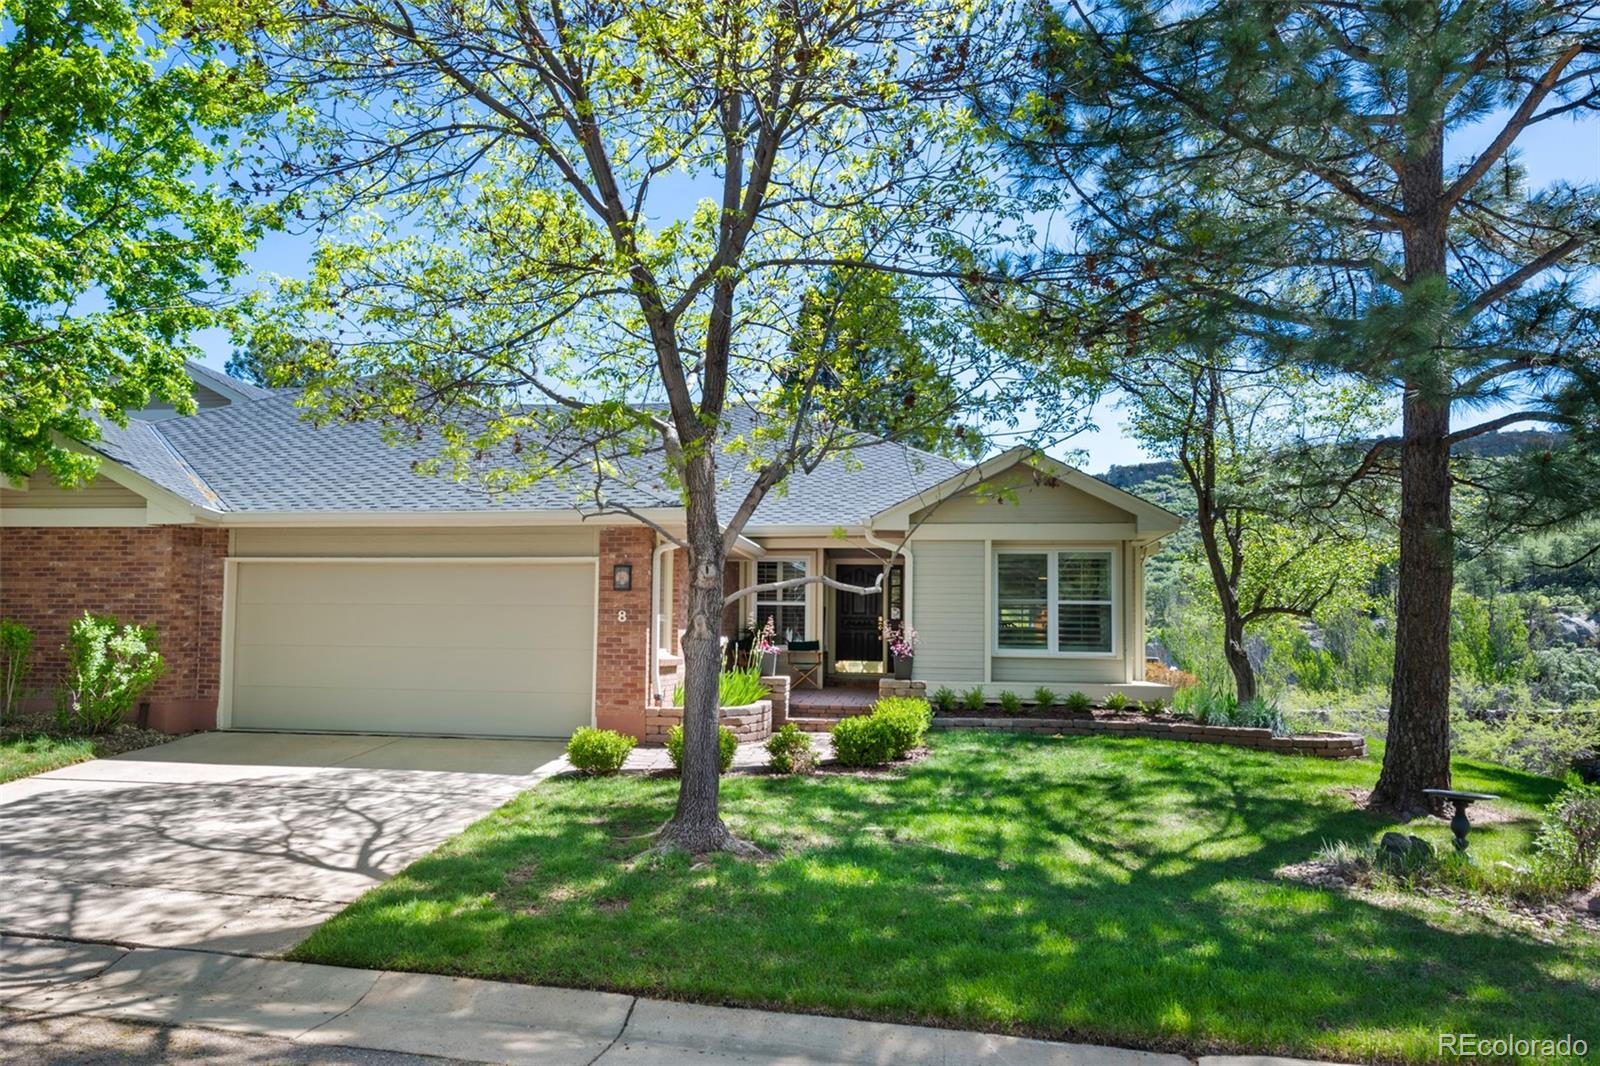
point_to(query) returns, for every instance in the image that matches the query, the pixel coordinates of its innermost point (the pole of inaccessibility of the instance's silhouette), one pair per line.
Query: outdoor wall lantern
(622, 577)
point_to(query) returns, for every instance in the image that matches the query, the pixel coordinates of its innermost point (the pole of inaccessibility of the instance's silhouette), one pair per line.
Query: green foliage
(1566, 674)
(945, 699)
(1117, 701)
(1210, 706)
(1487, 644)
(1077, 702)
(1153, 707)
(1010, 702)
(735, 688)
(116, 229)
(1570, 835)
(864, 740)
(974, 700)
(599, 751)
(791, 750)
(727, 747)
(16, 647)
(906, 720)
(1043, 698)
(109, 666)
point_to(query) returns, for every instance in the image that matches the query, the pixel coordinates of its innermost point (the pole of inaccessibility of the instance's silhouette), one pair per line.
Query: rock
(1573, 627)
(1402, 848)
(1594, 903)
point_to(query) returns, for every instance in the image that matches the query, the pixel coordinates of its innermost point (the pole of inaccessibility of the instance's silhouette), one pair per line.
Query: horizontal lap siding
(948, 598)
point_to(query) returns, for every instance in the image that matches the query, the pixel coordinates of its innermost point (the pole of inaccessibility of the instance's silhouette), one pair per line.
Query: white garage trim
(230, 583)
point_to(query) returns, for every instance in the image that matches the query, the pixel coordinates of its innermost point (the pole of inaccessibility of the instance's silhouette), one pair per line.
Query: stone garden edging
(1322, 745)
(750, 723)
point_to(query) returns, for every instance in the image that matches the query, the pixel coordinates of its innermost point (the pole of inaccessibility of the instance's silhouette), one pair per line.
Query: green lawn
(25, 755)
(1089, 888)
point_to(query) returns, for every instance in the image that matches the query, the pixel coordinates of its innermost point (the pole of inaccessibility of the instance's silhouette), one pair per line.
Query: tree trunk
(1417, 755)
(696, 826)
(1244, 675)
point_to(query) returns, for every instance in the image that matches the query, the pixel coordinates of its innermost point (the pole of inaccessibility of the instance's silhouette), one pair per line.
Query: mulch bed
(124, 738)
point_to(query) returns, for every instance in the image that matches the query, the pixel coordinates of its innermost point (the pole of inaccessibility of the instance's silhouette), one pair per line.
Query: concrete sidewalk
(307, 1006)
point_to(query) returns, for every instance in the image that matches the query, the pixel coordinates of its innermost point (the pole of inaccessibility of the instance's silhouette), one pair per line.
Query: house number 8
(622, 616)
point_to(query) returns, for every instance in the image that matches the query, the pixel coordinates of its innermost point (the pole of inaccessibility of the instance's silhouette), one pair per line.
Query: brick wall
(166, 576)
(622, 644)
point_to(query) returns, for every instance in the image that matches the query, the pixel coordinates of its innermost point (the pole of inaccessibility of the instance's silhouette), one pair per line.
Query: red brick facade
(622, 642)
(166, 576)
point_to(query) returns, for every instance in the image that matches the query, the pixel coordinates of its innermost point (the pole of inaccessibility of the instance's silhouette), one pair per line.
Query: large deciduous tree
(1343, 178)
(574, 238)
(1230, 424)
(115, 115)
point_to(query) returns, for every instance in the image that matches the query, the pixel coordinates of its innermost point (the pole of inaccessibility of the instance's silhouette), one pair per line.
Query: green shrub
(1043, 698)
(1077, 702)
(791, 750)
(1153, 707)
(1117, 701)
(1010, 702)
(598, 751)
(907, 720)
(1259, 713)
(109, 666)
(1570, 837)
(16, 644)
(864, 740)
(735, 688)
(945, 699)
(974, 700)
(727, 744)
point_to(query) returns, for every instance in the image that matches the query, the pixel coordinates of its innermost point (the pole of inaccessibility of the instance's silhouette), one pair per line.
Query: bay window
(786, 607)
(1055, 601)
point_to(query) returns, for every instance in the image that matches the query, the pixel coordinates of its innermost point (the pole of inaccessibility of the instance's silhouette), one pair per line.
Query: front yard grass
(34, 745)
(1089, 888)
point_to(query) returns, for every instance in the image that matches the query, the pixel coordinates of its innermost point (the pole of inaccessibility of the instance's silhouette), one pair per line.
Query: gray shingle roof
(261, 456)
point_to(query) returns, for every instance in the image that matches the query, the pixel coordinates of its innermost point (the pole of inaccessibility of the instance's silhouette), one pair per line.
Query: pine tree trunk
(696, 826)
(1417, 755)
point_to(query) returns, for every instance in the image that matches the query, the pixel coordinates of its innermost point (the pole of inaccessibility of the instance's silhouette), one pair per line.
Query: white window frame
(756, 602)
(1053, 602)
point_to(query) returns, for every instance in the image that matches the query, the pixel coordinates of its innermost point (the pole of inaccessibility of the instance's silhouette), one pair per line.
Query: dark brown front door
(855, 619)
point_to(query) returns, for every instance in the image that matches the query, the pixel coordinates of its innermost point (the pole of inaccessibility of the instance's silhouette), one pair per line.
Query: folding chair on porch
(805, 663)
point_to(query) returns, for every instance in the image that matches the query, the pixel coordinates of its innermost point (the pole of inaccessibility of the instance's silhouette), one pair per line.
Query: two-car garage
(447, 646)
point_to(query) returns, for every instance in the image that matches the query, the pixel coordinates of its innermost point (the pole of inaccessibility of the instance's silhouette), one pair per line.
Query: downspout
(655, 616)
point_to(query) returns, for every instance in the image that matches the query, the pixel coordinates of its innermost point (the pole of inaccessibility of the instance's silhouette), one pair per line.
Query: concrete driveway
(239, 842)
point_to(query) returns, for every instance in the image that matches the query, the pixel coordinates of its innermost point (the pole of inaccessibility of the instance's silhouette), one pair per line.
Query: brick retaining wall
(1323, 745)
(750, 723)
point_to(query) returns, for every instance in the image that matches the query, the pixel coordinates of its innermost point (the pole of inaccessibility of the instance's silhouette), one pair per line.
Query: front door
(855, 619)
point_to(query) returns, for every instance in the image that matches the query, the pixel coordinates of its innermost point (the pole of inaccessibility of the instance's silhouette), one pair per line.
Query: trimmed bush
(1043, 698)
(16, 644)
(791, 750)
(907, 720)
(598, 751)
(865, 740)
(974, 700)
(945, 699)
(109, 666)
(1117, 701)
(727, 744)
(1010, 702)
(1077, 702)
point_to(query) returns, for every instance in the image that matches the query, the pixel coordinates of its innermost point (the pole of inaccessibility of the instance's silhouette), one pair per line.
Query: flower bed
(1322, 745)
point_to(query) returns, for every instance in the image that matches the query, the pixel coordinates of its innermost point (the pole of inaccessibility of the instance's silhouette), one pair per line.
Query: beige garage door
(448, 647)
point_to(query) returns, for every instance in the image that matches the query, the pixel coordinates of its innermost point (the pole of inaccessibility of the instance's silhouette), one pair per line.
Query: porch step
(832, 711)
(814, 725)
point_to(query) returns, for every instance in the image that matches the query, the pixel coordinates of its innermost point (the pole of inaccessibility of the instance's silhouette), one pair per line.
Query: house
(306, 579)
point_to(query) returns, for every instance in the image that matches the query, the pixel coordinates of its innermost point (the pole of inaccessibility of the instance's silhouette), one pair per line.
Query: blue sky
(1553, 151)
